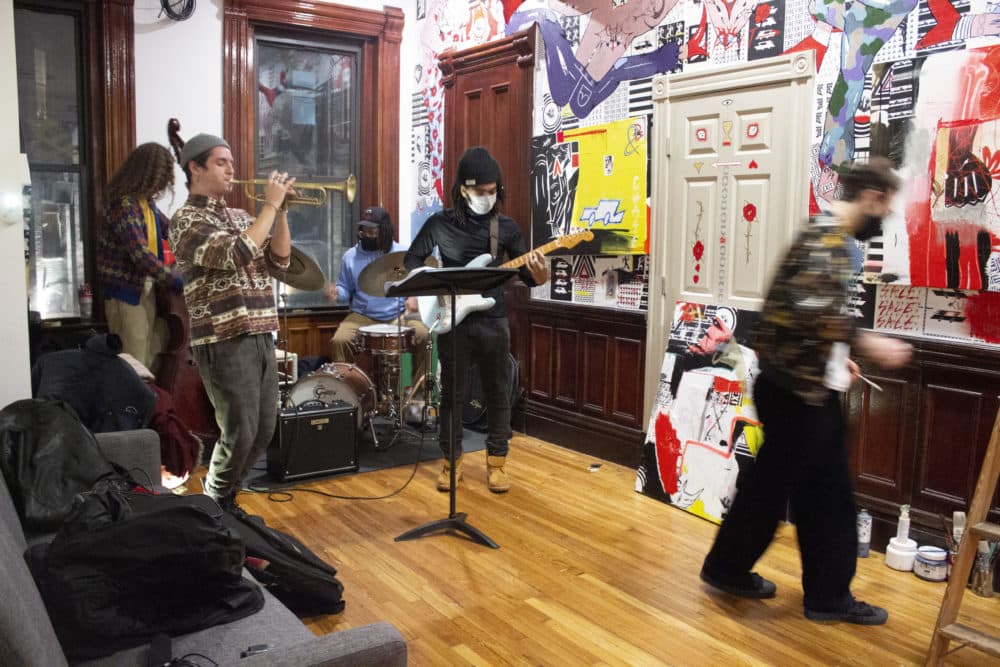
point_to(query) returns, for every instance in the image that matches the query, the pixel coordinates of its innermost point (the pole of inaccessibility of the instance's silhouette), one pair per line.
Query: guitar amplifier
(314, 438)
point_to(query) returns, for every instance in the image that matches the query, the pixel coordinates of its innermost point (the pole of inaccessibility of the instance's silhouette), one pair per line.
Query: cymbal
(303, 272)
(385, 269)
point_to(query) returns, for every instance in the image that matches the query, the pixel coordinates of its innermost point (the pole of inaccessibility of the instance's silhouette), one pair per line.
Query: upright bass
(178, 370)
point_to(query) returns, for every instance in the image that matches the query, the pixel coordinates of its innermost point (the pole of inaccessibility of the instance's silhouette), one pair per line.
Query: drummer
(374, 240)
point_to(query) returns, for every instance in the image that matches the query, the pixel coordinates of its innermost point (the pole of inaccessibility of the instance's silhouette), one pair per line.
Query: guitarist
(474, 227)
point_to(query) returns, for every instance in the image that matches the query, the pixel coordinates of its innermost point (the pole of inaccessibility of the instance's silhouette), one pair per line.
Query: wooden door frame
(797, 71)
(518, 48)
(380, 33)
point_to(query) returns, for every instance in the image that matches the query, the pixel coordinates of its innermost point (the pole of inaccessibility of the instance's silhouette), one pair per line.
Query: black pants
(803, 459)
(485, 340)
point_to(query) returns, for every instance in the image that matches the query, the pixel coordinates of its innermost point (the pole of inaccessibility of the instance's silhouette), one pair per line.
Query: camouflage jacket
(806, 311)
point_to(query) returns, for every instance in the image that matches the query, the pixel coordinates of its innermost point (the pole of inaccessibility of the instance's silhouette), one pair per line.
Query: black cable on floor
(284, 495)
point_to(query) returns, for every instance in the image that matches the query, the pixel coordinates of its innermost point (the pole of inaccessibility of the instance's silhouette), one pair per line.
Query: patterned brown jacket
(227, 283)
(806, 310)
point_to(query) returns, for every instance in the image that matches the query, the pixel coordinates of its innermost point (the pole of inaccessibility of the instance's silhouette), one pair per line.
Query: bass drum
(336, 382)
(474, 404)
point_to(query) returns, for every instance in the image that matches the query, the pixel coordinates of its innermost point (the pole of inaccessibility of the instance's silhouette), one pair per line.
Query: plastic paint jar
(900, 554)
(931, 564)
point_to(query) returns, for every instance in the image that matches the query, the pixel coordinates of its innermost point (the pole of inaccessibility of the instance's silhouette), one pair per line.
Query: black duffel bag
(303, 581)
(127, 567)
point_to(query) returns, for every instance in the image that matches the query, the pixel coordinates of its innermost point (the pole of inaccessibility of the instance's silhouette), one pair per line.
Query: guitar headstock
(571, 240)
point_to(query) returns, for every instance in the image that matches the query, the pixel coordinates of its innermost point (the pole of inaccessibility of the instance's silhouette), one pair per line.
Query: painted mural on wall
(890, 80)
(587, 46)
(703, 427)
(595, 179)
(445, 25)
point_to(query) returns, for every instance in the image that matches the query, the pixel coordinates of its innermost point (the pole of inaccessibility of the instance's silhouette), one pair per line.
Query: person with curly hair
(130, 259)
(473, 227)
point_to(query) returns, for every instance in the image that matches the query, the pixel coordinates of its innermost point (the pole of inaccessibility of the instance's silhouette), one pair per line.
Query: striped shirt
(228, 288)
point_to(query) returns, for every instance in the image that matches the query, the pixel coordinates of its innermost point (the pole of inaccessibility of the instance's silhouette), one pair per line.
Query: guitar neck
(523, 259)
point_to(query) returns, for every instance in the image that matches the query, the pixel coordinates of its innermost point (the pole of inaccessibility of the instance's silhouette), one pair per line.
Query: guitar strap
(494, 235)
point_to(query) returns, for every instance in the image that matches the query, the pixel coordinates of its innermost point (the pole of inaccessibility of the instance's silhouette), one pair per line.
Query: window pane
(307, 126)
(57, 268)
(47, 55)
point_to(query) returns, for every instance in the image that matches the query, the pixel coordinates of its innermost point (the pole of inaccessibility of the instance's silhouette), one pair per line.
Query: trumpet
(349, 186)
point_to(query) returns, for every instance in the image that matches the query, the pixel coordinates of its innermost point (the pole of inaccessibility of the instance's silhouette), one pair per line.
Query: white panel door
(730, 186)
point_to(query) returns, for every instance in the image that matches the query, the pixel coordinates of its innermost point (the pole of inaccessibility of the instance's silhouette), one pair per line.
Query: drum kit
(377, 394)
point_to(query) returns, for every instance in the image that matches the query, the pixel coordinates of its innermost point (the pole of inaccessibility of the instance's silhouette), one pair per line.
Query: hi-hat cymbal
(303, 272)
(382, 270)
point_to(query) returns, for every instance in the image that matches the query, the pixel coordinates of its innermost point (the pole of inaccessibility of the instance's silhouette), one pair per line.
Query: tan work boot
(497, 479)
(444, 479)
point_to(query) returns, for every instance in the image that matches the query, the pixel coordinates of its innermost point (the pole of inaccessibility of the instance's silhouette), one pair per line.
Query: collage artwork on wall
(915, 80)
(594, 69)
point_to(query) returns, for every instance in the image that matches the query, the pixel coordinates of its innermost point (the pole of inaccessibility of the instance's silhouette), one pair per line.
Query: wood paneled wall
(308, 333)
(922, 439)
(583, 377)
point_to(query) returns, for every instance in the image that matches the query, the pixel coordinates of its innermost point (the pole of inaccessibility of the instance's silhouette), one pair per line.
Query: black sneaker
(230, 505)
(858, 612)
(750, 585)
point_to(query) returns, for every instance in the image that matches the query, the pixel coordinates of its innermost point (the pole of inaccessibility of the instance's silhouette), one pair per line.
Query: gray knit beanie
(198, 144)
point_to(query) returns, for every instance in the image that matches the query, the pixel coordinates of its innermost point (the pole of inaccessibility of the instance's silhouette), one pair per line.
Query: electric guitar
(435, 311)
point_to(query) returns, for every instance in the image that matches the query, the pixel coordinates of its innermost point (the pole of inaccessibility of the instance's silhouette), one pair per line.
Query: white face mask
(481, 204)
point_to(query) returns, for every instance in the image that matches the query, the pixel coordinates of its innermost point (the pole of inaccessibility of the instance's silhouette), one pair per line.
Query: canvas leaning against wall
(703, 427)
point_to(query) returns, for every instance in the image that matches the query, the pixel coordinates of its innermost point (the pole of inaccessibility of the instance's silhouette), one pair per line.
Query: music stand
(440, 282)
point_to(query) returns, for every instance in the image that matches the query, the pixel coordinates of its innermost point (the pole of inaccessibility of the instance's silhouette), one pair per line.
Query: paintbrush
(874, 386)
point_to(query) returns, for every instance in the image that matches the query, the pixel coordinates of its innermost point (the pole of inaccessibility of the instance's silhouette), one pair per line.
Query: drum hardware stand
(450, 282)
(284, 388)
(396, 414)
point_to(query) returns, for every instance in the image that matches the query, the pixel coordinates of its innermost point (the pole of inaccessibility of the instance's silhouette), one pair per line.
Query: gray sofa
(27, 636)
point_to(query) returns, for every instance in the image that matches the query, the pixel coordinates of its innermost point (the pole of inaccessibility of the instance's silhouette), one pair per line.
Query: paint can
(931, 563)
(864, 533)
(900, 554)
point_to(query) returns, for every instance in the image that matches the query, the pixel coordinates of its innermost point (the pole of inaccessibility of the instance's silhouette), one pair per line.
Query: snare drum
(337, 381)
(386, 339)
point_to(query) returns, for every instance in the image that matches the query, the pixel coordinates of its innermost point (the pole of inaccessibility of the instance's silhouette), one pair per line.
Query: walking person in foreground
(803, 342)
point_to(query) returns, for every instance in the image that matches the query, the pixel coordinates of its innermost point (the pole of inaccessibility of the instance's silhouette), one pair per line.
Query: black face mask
(367, 243)
(870, 226)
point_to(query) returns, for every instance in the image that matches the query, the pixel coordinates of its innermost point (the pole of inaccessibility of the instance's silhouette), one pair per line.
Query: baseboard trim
(611, 442)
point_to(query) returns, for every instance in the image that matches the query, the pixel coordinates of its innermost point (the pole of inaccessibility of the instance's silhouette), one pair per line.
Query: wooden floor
(589, 572)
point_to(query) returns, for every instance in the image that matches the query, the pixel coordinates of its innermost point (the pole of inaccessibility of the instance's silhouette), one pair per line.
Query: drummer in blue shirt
(374, 240)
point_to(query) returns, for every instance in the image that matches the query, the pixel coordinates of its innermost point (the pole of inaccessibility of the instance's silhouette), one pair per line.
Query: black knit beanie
(477, 167)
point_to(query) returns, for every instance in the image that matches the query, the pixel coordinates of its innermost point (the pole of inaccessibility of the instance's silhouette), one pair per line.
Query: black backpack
(129, 566)
(47, 457)
(303, 581)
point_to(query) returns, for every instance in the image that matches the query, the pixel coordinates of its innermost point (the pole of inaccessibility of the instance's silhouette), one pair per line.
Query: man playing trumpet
(227, 258)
